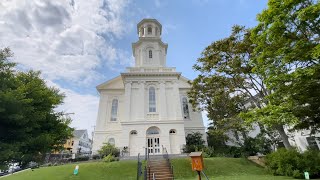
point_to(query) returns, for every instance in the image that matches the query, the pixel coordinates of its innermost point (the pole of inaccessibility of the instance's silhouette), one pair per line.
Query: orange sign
(197, 161)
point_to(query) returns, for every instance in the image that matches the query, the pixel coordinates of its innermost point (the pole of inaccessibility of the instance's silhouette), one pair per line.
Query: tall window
(150, 53)
(112, 141)
(114, 110)
(312, 143)
(149, 30)
(152, 99)
(185, 108)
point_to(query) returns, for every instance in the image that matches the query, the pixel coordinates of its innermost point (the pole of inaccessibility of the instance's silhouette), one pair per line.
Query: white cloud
(65, 39)
(84, 107)
(68, 40)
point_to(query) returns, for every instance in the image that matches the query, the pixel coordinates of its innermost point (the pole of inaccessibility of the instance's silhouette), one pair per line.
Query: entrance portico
(153, 140)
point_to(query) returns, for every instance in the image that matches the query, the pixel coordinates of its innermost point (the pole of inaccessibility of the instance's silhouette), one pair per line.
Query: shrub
(109, 158)
(292, 163)
(82, 158)
(235, 152)
(310, 162)
(194, 142)
(107, 149)
(228, 151)
(96, 156)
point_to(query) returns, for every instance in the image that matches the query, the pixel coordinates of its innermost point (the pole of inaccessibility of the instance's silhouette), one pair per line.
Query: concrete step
(161, 176)
(157, 166)
(159, 171)
(157, 161)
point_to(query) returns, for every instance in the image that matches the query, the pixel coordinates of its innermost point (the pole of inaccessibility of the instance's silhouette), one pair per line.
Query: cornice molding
(178, 74)
(149, 122)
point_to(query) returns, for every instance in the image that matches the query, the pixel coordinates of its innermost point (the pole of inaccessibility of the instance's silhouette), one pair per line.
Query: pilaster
(177, 100)
(162, 101)
(127, 100)
(142, 99)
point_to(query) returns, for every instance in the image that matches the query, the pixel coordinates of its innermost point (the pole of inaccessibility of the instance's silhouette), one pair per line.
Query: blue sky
(78, 44)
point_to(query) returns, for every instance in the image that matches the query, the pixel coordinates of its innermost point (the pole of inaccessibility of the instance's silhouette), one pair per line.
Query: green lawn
(216, 168)
(223, 168)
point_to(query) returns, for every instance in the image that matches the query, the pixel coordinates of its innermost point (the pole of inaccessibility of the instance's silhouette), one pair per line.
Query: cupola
(149, 28)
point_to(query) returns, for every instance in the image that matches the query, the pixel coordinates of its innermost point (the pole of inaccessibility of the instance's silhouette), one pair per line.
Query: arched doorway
(153, 140)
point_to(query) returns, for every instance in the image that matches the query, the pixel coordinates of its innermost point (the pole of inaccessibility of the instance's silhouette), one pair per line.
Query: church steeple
(149, 51)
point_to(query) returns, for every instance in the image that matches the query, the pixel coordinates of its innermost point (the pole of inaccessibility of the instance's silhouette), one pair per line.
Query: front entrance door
(153, 144)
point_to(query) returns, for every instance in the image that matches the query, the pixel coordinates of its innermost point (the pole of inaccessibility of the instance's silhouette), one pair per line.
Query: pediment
(115, 83)
(183, 82)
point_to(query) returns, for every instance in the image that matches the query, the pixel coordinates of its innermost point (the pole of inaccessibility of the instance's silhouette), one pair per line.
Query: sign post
(197, 162)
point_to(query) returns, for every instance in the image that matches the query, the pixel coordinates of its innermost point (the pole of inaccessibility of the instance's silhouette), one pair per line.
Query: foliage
(228, 151)
(194, 142)
(96, 156)
(216, 138)
(29, 125)
(107, 149)
(228, 87)
(287, 56)
(292, 163)
(82, 158)
(253, 146)
(109, 158)
(249, 147)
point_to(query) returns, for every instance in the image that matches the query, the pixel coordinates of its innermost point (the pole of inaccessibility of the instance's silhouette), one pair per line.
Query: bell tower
(149, 51)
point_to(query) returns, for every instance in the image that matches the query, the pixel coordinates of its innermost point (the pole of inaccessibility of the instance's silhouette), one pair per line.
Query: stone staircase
(160, 168)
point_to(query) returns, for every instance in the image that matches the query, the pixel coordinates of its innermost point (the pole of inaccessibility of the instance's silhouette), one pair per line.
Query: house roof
(79, 133)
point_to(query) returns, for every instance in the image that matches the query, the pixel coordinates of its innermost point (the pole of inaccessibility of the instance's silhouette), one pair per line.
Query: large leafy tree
(29, 126)
(228, 85)
(287, 56)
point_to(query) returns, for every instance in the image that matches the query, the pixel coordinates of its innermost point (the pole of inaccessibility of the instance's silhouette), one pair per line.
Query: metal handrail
(138, 167)
(166, 157)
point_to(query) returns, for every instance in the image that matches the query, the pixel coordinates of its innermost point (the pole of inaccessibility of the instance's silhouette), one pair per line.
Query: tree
(194, 142)
(228, 85)
(29, 125)
(287, 56)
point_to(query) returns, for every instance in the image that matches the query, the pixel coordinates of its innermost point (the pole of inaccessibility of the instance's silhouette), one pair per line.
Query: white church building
(146, 106)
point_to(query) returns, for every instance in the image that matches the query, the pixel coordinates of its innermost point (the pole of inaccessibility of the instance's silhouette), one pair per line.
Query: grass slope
(223, 168)
(87, 171)
(215, 168)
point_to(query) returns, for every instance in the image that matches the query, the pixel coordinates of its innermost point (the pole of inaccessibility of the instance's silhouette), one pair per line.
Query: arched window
(172, 131)
(133, 132)
(149, 30)
(114, 110)
(153, 130)
(152, 99)
(150, 53)
(185, 108)
(142, 31)
(112, 141)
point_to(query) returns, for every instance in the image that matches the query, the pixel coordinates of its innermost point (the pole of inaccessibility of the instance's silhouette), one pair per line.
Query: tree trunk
(283, 136)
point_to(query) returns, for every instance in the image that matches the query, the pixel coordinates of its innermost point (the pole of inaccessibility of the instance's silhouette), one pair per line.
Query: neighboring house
(299, 139)
(146, 106)
(79, 143)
